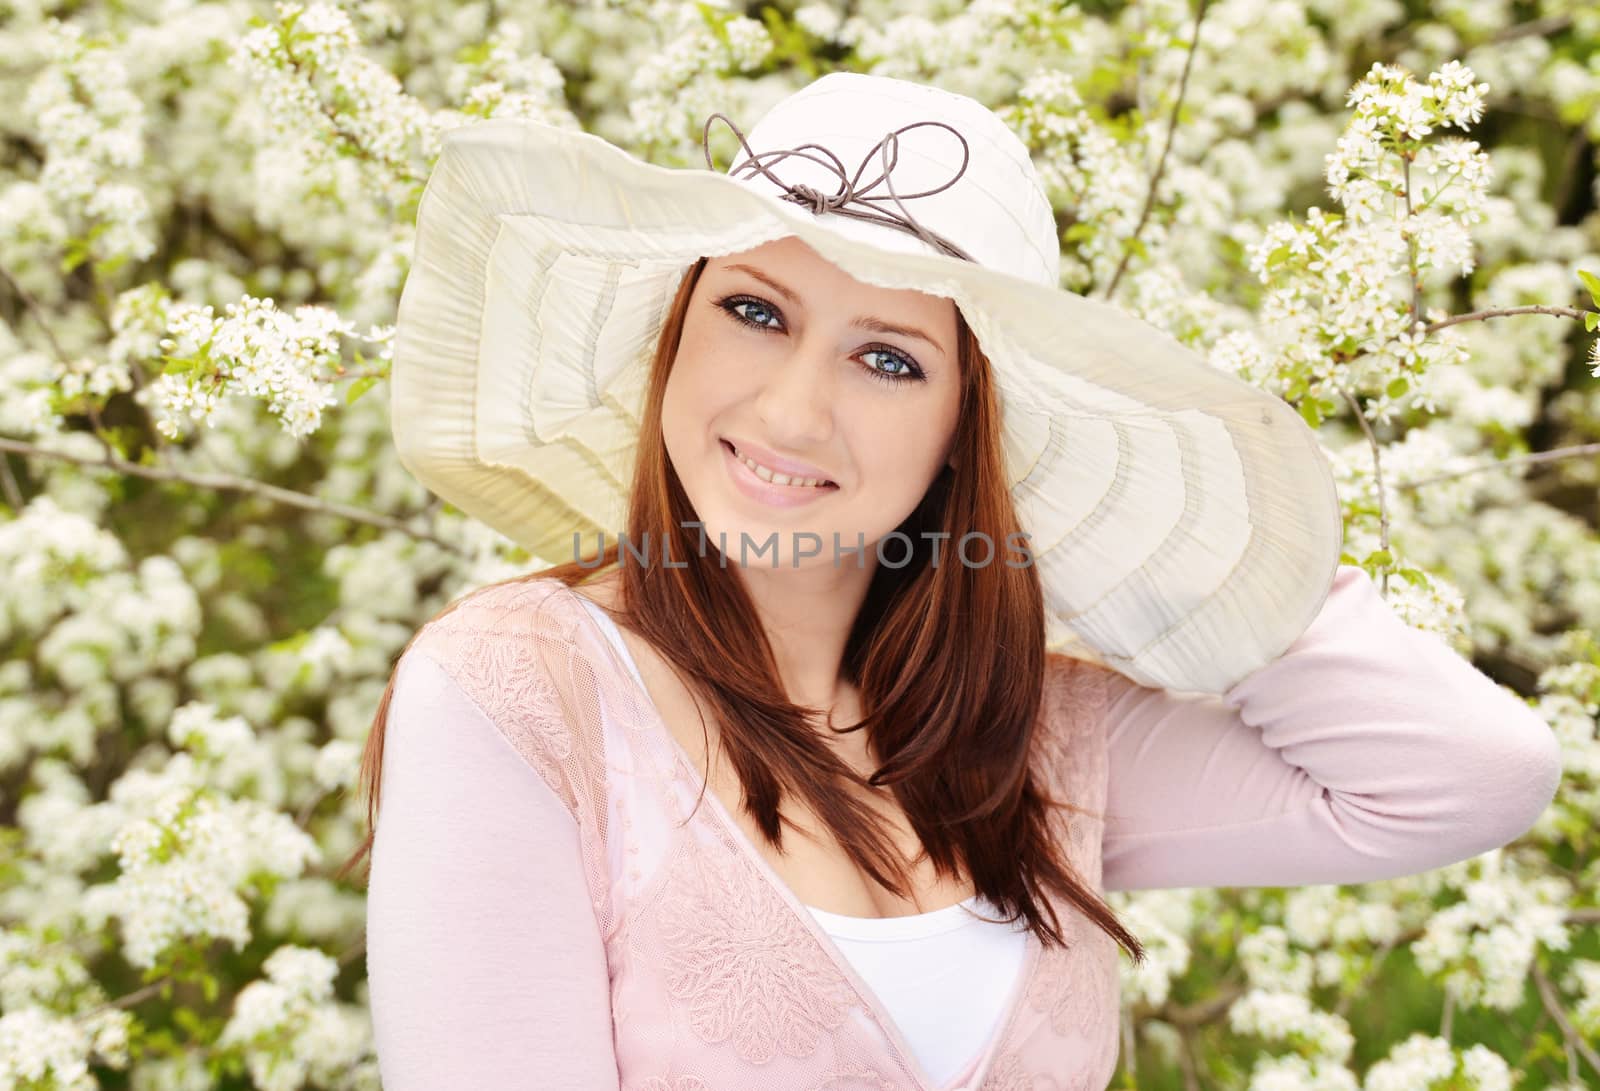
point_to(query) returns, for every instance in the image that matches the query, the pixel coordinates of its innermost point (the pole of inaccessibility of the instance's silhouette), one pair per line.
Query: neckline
(977, 1071)
(913, 926)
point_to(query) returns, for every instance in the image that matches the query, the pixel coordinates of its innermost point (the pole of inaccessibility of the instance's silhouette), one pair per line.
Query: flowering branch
(13, 494)
(1393, 115)
(235, 484)
(166, 981)
(321, 87)
(1406, 155)
(1528, 459)
(1161, 163)
(350, 141)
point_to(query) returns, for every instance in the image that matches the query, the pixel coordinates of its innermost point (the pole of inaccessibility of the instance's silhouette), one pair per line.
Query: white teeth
(776, 478)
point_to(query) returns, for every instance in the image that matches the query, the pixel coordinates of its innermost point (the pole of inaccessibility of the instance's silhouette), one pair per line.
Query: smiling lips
(778, 471)
(767, 491)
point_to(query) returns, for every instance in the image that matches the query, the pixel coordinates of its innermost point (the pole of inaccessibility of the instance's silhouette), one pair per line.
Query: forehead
(812, 278)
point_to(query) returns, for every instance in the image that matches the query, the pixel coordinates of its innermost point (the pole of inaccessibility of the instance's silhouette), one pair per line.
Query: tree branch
(1186, 1059)
(8, 482)
(1377, 476)
(1503, 312)
(31, 305)
(1203, 1011)
(1543, 28)
(1552, 455)
(1552, 1004)
(33, 308)
(1343, 1007)
(1161, 163)
(227, 482)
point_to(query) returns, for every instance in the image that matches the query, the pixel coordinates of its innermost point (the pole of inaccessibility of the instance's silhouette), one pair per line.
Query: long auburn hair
(953, 720)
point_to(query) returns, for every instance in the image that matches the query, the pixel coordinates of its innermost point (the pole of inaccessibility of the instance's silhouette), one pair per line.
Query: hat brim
(1185, 522)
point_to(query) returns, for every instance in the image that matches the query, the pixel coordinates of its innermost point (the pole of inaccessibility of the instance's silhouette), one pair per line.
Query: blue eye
(909, 372)
(733, 303)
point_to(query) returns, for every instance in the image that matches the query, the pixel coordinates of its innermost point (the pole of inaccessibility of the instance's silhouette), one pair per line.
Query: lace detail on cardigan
(857, 1078)
(743, 966)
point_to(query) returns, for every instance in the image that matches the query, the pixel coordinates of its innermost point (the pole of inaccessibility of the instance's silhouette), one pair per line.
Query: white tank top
(943, 976)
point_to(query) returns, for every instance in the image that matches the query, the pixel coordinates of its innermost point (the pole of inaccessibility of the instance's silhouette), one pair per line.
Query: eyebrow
(867, 322)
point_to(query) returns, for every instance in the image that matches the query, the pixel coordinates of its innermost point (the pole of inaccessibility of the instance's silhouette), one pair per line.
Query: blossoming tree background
(211, 556)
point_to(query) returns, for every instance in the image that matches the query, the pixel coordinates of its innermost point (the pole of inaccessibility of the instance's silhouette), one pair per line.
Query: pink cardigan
(540, 915)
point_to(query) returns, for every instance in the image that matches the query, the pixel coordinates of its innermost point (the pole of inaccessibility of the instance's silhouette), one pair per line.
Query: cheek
(699, 391)
(898, 450)
(692, 388)
(715, 368)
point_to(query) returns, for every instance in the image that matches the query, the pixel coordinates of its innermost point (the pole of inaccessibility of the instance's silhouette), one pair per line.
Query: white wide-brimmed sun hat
(1185, 523)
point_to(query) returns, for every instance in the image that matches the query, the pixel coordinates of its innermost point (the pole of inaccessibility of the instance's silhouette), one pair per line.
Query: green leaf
(717, 21)
(1379, 557)
(359, 387)
(1311, 410)
(1397, 387)
(110, 266)
(189, 1020)
(76, 253)
(1591, 282)
(183, 365)
(1591, 319)
(474, 54)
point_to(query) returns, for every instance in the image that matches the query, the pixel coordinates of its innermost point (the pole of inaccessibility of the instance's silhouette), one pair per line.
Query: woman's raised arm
(1368, 750)
(484, 957)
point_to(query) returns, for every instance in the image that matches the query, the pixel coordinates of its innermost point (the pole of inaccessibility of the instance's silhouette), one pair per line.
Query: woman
(581, 876)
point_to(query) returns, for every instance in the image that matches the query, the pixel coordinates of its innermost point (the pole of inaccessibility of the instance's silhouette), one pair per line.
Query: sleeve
(1368, 750)
(485, 963)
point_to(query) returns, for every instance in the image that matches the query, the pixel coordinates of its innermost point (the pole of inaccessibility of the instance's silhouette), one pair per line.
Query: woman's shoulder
(515, 635)
(520, 608)
(1074, 689)
(514, 649)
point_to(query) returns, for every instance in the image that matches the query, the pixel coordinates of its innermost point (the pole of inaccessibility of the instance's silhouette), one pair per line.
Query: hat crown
(996, 209)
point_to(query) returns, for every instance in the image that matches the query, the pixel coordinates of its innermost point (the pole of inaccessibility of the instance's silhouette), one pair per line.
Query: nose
(795, 402)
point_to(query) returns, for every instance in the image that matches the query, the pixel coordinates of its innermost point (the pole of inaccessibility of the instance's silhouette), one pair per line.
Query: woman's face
(787, 358)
